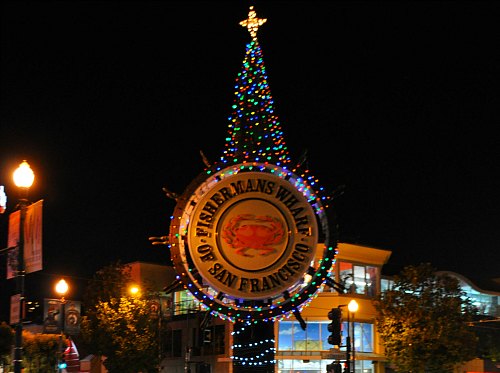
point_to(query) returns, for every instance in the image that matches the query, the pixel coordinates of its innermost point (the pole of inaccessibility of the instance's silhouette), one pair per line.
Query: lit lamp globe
(134, 290)
(24, 176)
(62, 288)
(353, 306)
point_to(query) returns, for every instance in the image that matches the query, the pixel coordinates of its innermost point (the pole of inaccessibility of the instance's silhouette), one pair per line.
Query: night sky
(111, 101)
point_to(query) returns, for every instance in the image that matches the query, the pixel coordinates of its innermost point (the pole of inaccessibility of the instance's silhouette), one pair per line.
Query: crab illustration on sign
(249, 232)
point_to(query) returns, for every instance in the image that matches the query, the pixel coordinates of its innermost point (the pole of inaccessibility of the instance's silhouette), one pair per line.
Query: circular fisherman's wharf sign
(244, 238)
(253, 235)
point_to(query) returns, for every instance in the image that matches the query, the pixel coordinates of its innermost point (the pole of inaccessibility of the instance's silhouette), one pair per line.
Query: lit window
(358, 279)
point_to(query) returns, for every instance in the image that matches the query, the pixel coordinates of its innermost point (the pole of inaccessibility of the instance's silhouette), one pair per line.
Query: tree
(108, 283)
(118, 325)
(487, 329)
(423, 321)
(6, 342)
(132, 328)
(40, 351)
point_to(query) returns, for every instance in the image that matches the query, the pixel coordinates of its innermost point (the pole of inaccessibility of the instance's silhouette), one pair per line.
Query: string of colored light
(254, 133)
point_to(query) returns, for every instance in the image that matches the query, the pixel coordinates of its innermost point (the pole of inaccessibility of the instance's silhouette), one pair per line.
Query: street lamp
(61, 289)
(134, 290)
(352, 308)
(23, 179)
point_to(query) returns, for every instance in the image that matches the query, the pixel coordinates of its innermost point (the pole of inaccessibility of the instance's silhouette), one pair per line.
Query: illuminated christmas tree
(255, 133)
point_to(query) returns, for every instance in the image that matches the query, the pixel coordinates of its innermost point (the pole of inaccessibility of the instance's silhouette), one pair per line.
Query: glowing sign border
(280, 305)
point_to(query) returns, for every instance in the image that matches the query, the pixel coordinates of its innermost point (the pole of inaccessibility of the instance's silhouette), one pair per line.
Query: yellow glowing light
(24, 176)
(353, 306)
(252, 23)
(134, 289)
(62, 287)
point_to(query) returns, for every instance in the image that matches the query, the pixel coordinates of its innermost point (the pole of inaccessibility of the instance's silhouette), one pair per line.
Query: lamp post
(348, 345)
(134, 290)
(61, 289)
(23, 179)
(352, 308)
(160, 316)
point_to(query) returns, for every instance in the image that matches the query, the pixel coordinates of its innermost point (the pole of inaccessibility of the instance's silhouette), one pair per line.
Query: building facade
(358, 270)
(187, 346)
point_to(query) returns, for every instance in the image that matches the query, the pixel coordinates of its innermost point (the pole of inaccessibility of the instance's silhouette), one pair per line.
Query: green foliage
(108, 283)
(117, 325)
(6, 342)
(423, 322)
(40, 351)
(488, 332)
(133, 330)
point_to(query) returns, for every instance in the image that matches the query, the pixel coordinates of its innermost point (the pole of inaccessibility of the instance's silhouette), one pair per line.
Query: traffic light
(337, 368)
(335, 327)
(204, 368)
(207, 336)
(334, 368)
(62, 363)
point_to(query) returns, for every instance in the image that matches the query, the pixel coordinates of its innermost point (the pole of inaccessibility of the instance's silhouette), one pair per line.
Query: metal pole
(348, 345)
(18, 354)
(353, 346)
(61, 349)
(187, 358)
(160, 314)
